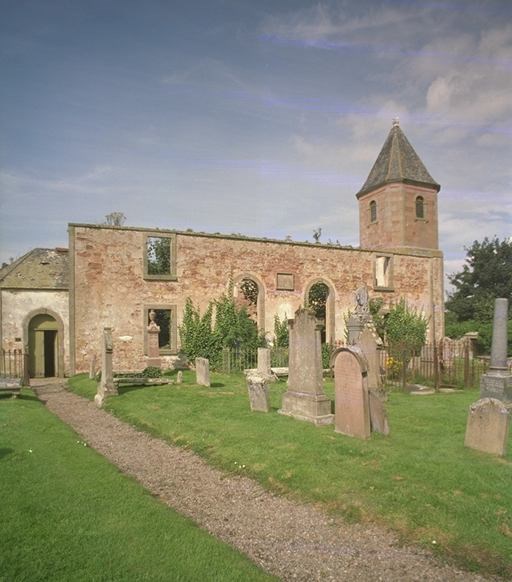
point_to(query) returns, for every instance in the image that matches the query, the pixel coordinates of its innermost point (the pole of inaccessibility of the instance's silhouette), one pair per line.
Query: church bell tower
(398, 201)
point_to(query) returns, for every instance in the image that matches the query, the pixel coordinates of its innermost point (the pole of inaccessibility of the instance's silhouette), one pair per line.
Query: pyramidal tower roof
(397, 162)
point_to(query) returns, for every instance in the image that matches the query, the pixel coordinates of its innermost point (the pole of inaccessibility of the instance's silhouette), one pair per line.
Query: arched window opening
(420, 207)
(373, 211)
(317, 301)
(247, 297)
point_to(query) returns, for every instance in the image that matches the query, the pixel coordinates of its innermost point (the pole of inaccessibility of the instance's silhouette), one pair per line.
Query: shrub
(281, 333)
(151, 372)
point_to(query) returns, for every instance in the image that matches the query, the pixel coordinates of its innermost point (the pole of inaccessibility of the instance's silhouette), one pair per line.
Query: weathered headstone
(377, 396)
(257, 388)
(153, 331)
(179, 377)
(497, 381)
(202, 372)
(305, 398)
(92, 367)
(352, 411)
(487, 426)
(264, 362)
(106, 385)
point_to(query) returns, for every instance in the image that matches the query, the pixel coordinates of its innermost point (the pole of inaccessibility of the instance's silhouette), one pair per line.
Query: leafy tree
(281, 334)
(115, 219)
(406, 332)
(233, 328)
(196, 332)
(486, 275)
(158, 255)
(249, 290)
(379, 319)
(317, 299)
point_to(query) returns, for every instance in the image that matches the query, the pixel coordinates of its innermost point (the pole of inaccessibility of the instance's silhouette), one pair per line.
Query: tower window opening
(420, 207)
(373, 211)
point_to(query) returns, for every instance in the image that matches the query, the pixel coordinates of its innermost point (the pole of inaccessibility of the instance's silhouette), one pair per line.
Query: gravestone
(92, 367)
(153, 331)
(376, 394)
(257, 388)
(202, 372)
(179, 377)
(305, 398)
(352, 411)
(497, 381)
(487, 426)
(264, 363)
(106, 386)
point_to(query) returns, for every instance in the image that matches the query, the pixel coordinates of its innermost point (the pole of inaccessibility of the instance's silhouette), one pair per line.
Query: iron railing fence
(11, 363)
(439, 365)
(237, 360)
(436, 365)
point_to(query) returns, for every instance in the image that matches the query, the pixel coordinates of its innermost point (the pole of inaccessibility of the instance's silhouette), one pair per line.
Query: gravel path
(290, 540)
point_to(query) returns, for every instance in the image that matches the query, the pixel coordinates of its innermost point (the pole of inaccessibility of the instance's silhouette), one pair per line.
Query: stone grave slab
(259, 397)
(203, 372)
(352, 408)
(487, 426)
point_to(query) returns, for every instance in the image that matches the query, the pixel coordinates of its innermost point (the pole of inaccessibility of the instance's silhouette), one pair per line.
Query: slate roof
(397, 162)
(37, 269)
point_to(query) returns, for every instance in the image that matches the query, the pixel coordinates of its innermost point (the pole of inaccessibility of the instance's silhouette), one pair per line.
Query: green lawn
(67, 514)
(420, 480)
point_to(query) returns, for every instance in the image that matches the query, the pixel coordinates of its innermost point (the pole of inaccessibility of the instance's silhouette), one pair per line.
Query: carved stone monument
(352, 409)
(179, 377)
(497, 381)
(377, 396)
(106, 386)
(153, 346)
(264, 363)
(360, 317)
(487, 426)
(202, 372)
(258, 393)
(305, 398)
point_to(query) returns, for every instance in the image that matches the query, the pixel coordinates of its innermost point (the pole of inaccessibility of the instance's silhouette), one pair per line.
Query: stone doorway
(43, 346)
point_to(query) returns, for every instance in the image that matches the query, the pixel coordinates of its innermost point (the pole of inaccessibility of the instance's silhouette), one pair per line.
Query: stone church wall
(109, 287)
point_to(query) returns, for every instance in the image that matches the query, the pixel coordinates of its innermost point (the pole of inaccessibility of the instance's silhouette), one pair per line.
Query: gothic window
(420, 207)
(373, 211)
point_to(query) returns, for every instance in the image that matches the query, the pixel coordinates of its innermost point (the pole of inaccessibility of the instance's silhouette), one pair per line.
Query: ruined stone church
(54, 303)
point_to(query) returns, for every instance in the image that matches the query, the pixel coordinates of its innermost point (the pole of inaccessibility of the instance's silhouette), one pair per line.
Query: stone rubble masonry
(108, 285)
(487, 426)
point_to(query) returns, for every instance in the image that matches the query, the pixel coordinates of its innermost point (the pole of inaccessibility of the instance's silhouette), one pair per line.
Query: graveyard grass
(67, 514)
(420, 480)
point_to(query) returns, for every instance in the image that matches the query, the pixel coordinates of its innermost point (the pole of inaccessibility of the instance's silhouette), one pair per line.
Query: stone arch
(260, 303)
(60, 335)
(329, 306)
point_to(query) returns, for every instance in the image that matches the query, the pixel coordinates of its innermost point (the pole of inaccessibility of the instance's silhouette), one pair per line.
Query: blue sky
(262, 118)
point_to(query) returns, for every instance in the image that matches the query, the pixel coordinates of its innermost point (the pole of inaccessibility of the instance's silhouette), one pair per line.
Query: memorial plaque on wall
(285, 282)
